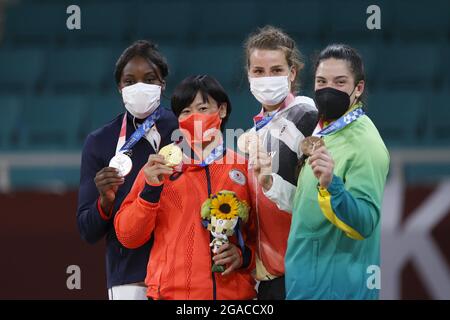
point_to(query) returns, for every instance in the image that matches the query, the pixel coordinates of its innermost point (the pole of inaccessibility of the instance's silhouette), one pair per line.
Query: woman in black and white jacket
(273, 66)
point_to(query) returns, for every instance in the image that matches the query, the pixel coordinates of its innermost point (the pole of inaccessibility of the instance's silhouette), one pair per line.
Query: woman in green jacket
(334, 243)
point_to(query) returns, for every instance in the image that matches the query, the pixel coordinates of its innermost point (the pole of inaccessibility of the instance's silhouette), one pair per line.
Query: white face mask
(270, 90)
(141, 99)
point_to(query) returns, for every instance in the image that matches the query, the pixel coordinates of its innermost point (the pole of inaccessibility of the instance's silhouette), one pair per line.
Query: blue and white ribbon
(215, 154)
(141, 130)
(342, 122)
(264, 121)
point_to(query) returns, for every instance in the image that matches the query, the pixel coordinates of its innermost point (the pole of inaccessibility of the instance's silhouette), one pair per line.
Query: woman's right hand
(155, 169)
(261, 162)
(107, 182)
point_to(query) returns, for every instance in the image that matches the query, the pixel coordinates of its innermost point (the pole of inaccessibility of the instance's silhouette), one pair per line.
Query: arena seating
(57, 85)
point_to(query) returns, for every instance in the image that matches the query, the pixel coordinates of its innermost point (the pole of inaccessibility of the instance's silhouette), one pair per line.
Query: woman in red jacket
(168, 203)
(273, 65)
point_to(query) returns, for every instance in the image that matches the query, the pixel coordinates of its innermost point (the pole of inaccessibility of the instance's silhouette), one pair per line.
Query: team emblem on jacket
(237, 176)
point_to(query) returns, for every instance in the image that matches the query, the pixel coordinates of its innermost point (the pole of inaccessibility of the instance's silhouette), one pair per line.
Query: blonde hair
(272, 38)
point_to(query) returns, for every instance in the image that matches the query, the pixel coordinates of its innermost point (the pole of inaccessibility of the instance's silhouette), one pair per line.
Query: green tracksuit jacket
(334, 243)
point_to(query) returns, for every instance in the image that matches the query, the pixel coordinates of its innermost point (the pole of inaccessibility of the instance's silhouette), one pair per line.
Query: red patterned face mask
(199, 127)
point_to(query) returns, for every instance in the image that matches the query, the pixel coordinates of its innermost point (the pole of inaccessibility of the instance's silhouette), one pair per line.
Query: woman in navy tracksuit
(140, 75)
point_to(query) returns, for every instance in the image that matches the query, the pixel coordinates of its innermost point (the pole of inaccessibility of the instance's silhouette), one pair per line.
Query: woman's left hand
(228, 254)
(323, 166)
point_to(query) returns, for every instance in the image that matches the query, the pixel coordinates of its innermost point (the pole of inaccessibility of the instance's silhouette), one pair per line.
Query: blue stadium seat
(415, 20)
(399, 116)
(225, 63)
(101, 110)
(347, 20)
(438, 119)
(444, 66)
(10, 109)
(34, 23)
(85, 70)
(44, 178)
(20, 69)
(309, 49)
(225, 21)
(244, 106)
(102, 22)
(168, 21)
(369, 52)
(408, 66)
(301, 19)
(426, 173)
(52, 122)
(173, 54)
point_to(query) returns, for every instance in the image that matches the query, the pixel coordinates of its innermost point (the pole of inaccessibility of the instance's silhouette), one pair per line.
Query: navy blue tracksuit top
(123, 266)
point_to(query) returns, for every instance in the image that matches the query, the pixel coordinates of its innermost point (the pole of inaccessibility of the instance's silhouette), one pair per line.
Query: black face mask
(331, 103)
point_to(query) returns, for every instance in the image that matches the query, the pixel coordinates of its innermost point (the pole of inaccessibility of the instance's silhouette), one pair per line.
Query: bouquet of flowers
(222, 213)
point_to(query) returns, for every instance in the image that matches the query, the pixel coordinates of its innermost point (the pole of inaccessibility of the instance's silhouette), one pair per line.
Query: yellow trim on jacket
(324, 198)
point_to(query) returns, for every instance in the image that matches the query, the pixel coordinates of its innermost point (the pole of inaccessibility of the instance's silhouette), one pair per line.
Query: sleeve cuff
(272, 192)
(336, 185)
(151, 193)
(104, 216)
(281, 193)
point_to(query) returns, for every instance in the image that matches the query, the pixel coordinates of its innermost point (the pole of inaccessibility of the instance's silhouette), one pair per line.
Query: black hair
(186, 91)
(147, 50)
(347, 53)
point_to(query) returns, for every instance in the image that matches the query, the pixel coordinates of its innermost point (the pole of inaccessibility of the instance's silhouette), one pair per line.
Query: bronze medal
(311, 144)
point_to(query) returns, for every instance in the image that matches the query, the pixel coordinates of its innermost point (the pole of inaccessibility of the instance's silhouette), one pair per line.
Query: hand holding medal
(259, 160)
(248, 142)
(107, 181)
(122, 162)
(172, 154)
(320, 160)
(309, 145)
(162, 164)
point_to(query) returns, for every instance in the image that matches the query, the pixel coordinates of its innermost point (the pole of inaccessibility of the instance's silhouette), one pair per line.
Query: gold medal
(311, 144)
(172, 154)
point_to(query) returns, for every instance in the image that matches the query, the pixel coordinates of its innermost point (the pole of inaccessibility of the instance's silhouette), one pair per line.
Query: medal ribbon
(342, 122)
(216, 153)
(261, 121)
(123, 134)
(123, 146)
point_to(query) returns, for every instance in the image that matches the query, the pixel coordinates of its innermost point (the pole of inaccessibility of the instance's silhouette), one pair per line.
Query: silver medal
(121, 162)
